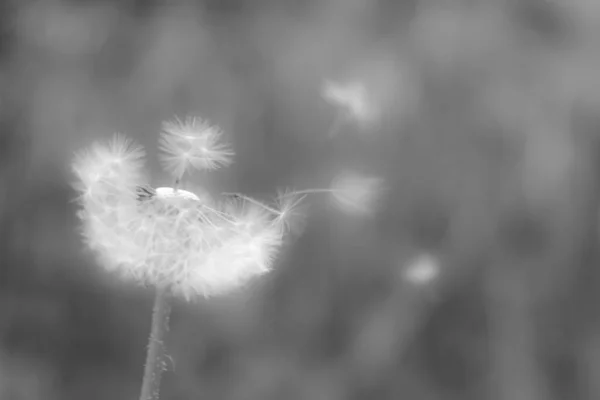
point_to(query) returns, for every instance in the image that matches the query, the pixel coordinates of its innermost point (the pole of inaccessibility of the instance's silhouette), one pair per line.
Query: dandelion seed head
(167, 237)
(291, 215)
(172, 237)
(192, 143)
(206, 249)
(249, 214)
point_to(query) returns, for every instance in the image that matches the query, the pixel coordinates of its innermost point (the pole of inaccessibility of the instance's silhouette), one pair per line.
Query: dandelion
(356, 194)
(170, 238)
(179, 242)
(192, 143)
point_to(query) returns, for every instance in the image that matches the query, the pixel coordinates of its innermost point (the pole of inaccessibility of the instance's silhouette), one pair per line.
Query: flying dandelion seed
(352, 100)
(192, 143)
(291, 211)
(288, 210)
(356, 194)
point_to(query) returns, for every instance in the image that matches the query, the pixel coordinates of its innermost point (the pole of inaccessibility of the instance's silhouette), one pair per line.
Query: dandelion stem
(155, 357)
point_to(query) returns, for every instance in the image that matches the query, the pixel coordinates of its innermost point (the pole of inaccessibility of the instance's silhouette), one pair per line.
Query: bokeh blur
(474, 274)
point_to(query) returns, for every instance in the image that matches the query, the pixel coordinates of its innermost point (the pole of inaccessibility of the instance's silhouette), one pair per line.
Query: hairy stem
(155, 357)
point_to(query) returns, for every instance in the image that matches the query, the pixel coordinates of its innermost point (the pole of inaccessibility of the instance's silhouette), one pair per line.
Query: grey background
(488, 145)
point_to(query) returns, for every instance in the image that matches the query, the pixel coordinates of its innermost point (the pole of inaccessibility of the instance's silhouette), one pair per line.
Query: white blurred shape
(352, 99)
(422, 270)
(380, 85)
(356, 194)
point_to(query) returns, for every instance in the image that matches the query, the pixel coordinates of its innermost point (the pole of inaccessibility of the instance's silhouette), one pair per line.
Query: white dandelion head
(352, 99)
(169, 237)
(356, 194)
(192, 143)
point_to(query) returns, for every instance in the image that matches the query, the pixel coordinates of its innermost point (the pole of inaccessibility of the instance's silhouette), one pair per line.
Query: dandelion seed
(285, 213)
(352, 99)
(356, 194)
(192, 143)
(166, 237)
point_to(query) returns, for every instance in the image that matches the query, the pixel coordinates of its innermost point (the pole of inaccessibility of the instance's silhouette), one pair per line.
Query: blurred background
(474, 275)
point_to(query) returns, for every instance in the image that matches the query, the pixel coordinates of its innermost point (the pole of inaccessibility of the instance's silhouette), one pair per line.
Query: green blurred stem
(156, 355)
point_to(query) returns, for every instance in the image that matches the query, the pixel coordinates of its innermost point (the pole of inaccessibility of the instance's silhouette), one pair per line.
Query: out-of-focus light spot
(356, 194)
(422, 270)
